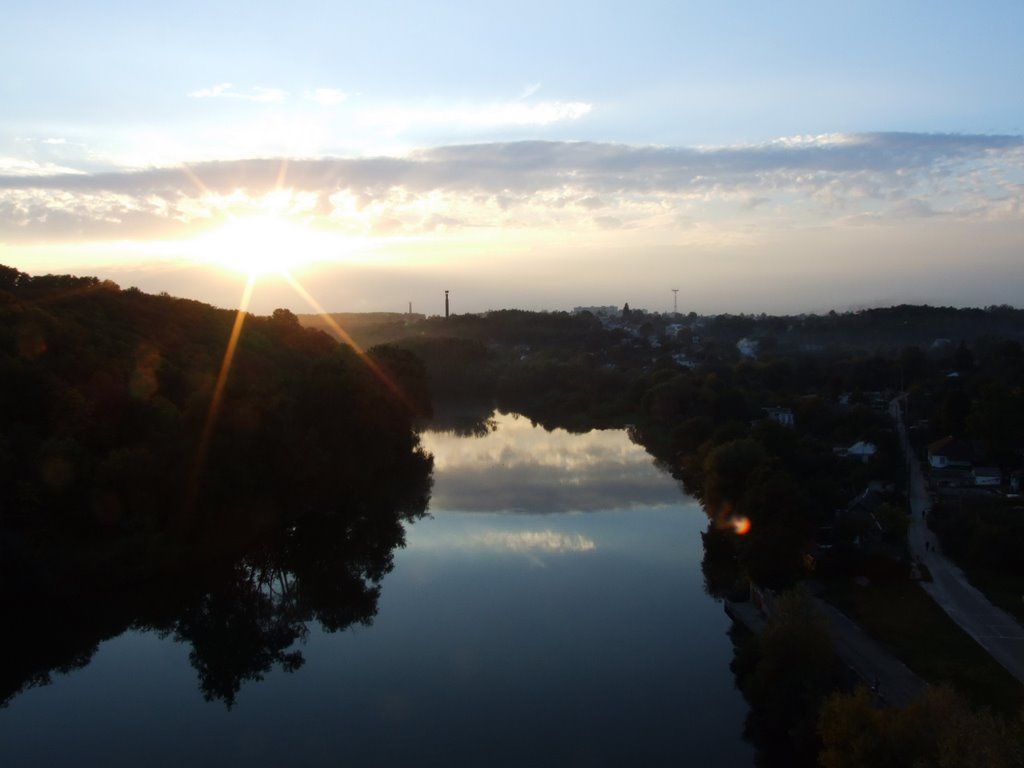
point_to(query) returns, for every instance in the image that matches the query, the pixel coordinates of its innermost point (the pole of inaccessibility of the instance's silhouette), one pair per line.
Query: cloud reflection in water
(520, 468)
(533, 541)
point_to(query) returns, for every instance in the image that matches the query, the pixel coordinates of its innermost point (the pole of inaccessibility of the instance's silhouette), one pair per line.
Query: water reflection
(534, 543)
(496, 639)
(514, 467)
(242, 612)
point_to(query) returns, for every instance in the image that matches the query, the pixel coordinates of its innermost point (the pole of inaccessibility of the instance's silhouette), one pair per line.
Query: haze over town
(790, 158)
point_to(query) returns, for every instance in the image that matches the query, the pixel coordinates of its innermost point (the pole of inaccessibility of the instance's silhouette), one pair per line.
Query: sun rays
(260, 234)
(258, 245)
(203, 448)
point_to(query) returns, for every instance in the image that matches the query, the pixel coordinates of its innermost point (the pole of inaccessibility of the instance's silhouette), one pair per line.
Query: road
(996, 631)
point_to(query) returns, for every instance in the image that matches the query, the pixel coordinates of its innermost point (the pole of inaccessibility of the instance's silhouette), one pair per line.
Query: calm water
(550, 611)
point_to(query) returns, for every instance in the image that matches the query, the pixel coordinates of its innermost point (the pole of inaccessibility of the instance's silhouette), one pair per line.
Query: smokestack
(446, 303)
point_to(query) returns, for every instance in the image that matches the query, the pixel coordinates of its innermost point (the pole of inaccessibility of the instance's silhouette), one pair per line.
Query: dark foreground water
(549, 612)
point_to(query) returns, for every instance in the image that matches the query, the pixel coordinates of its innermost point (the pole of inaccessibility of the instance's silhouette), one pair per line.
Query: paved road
(996, 631)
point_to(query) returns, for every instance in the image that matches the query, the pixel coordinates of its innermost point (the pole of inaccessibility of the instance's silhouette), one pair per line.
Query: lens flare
(267, 242)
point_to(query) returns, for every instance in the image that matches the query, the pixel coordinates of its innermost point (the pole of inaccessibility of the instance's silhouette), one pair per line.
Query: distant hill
(881, 329)
(367, 329)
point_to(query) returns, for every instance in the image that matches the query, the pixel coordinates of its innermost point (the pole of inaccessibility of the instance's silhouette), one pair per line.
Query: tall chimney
(446, 303)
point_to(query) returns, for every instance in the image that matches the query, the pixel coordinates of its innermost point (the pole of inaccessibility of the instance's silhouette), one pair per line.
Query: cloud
(13, 167)
(532, 166)
(211, 92)
(609, 222)
(529, 90)
(257, 93)
(551, 184)
(912, 208)
(326, 97)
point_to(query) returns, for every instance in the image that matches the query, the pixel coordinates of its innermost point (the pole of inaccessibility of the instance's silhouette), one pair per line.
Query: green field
(903, 617)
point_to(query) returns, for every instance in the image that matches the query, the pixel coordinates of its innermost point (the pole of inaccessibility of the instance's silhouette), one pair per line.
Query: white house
(862, 450)
(949, 452)
(783, 416)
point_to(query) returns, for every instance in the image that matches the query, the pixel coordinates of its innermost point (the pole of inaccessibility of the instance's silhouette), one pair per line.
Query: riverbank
(868, 661)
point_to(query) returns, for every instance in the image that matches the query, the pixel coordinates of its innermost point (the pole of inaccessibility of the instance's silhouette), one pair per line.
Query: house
(683, 361)
(950, 452)
(783, 416)
(862, 450)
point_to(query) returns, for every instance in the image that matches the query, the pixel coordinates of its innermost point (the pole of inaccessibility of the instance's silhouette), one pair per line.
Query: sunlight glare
(262, 244)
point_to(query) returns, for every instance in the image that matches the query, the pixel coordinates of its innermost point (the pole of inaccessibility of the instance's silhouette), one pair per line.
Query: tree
(953, 416)
(785, 677)
(963, 358)
(726, 471)
(937, 729)
(895, 521)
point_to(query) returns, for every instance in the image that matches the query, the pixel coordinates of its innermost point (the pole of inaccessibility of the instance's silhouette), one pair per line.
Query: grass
(901, 616)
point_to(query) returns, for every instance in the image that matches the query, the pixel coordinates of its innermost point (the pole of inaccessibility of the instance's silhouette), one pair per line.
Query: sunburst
(265, 242)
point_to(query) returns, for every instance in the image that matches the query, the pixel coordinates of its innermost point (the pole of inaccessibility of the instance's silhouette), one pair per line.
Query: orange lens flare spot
(741, 525)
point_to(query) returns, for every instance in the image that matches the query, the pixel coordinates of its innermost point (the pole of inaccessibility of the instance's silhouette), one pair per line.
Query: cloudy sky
(779, 157)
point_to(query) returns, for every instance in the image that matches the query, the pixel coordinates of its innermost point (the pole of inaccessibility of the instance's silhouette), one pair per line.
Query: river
(549, 611)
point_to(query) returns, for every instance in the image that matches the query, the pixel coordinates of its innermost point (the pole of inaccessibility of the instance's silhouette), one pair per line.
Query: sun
(261, 244)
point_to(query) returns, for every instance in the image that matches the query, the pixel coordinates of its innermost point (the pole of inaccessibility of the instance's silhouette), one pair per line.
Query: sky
(760, 157)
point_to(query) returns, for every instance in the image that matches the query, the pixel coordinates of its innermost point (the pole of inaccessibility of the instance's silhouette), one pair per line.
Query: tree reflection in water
(463, 419)
(242, 615)
(238, 634)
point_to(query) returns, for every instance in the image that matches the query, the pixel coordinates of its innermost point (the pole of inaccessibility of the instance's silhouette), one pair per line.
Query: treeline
(560, 369)
(120, 440)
